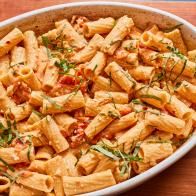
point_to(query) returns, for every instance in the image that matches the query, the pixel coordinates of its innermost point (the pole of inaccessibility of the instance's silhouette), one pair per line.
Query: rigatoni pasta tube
(18, 56)
(121, 77)
(74, 39)
(4, 184)
(105, 84)
(13, 156)
(44, 153)
(38, 166)
(65, 121)
(192, 55)
(19, 112)
(116, 97)
(139, 132)
(120, 124)
(101, 26)
(95, 66)
(105, 163)
(24, 191)
(10, 40)
(38, 138)
(28, 76)
(31, 47)
(84, 184)
(87, 163)
(117, 34)
(187, 129)
(177, 40)
(36, 181)
(34, 117)
(104, 118)
(165, 122)
(36, 98)
(157, 42)
(119, 177)
(70, 161)
(5, 101)
(58, 186)
(63, 103)
(51, 74)
(87, 53)
(187, 91)
(8, 78)
(153, 96)
(56, 166)
(139, 166)
(154, 152)
(42, 61)
(141, 73)
(178, 108)
(93, 106)
(175, 64)
(52, 132)
(4, 64)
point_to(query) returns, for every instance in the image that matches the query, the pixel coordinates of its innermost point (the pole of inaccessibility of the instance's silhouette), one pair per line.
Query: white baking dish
(43, 19)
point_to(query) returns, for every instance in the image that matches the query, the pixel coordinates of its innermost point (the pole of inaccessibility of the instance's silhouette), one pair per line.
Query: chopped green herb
(113, 115)
(151, 97)
(172, 28)
(176, 52)
(64, 65)
(129, 78)
(137, 148)
(104, 151)
(136, 101)
(69, 50)
(112, 98)
(114, 42)
(114, 154)
(12, 179)
(20, 63)
(184, 66)
(38, 113)
(46, 43)
(7, 165)
(52, 102)
(158, 141)
(130, 47)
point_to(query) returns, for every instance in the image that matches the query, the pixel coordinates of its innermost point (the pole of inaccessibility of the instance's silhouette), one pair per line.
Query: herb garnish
(151, 97)
(7, 165)
(114, 154)
(184, 65)
(176, 52)
(52, 102)
(46, 43)
(12, 179)
(113, 115)
(38, 113)
(64, 65)
(172, 28)
(136, 101)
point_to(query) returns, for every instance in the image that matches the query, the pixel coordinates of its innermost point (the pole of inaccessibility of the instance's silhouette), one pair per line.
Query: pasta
(91, 103)
(31, 47)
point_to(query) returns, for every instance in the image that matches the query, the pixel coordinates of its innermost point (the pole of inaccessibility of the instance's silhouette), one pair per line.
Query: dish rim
(184, 149)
